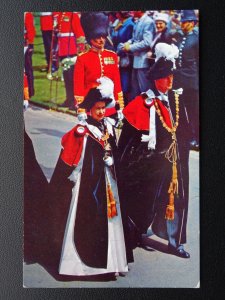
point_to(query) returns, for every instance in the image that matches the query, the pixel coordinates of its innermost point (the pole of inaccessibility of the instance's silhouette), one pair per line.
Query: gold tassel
(170, 207)
(171, 155)
(173, 189)
(26, 93)
(111, 203)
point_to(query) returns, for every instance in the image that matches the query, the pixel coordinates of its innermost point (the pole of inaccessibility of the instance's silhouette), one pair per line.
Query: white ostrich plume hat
(106, 88)
(169, 52)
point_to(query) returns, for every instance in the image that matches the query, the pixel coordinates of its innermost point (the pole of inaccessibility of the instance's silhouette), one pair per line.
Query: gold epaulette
(110, 51)
(84, 52)
(87, 49)
(120, 100)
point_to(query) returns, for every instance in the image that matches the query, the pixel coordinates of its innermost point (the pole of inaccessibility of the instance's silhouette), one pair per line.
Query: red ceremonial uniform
(46, 21)
(92, 65)
(70, 36)
(29, 29)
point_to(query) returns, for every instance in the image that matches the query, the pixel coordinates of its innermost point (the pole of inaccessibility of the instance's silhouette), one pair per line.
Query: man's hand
(149, 54)
(126, 47)
(108, 161)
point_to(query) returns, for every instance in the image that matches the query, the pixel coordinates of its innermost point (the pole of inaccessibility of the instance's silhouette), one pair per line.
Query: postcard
(111, 149)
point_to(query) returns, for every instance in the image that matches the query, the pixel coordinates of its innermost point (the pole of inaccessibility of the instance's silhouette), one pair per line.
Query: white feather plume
(169, 52)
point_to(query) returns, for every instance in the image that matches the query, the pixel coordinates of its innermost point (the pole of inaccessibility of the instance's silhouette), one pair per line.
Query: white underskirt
(71, 263)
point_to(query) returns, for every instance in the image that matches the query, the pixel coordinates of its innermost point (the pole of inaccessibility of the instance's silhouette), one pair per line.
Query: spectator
(187, 73)
(139, 45)
(122, 33)
(161, 35)
(113, 21)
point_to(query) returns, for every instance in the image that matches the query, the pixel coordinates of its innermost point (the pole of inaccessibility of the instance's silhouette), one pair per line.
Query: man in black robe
(153, 124)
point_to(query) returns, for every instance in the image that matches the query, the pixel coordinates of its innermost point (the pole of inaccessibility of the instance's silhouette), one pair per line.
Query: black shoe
(194, 145)
(178, 252)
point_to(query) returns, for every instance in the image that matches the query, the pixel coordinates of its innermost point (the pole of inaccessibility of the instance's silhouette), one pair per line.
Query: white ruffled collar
(109, 123)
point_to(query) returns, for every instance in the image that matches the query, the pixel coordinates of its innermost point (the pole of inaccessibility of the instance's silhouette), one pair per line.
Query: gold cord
(171, 156)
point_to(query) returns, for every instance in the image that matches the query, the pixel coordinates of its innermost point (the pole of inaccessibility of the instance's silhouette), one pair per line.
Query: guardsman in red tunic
(29, 35)
(49, 38)
(71, 41)
(96, 62)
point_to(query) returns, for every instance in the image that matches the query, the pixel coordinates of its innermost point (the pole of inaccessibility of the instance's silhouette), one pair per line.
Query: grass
(48, 93)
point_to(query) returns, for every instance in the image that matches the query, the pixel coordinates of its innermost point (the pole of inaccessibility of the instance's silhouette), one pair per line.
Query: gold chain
(174, 127)
(171, 155)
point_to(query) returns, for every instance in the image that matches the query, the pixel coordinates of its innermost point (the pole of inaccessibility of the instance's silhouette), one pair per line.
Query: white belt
(65, 34)
(45, 13)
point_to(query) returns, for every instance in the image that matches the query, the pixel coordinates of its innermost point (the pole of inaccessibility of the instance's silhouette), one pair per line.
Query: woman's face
(160, 26)
(98, 111)
(164, 84)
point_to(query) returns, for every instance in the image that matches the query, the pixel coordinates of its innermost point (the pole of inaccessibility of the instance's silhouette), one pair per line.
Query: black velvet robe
(35, 196)
(91, 224)
(145, 176)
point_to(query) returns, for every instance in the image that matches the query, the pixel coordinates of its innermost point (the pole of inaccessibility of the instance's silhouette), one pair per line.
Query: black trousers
(69, 85)
(49, 45)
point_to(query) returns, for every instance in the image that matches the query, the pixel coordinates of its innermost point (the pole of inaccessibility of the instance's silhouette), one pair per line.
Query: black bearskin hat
(94, 24)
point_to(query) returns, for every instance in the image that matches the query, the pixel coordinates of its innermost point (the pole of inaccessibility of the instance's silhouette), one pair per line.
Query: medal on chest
(109, 61)
(107, 146)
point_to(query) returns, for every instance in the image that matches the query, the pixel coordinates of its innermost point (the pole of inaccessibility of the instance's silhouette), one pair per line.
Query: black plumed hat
(165, 61)
(161, 69)
(94, 24)
(94, 95)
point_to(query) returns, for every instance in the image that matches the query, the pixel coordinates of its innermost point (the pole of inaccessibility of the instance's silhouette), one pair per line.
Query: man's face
(160, 25)
(164, 84)
(98, 111)
(99, 42)
(187, 26)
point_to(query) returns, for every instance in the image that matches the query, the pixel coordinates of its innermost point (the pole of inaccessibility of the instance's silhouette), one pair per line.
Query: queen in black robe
(87, 223)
